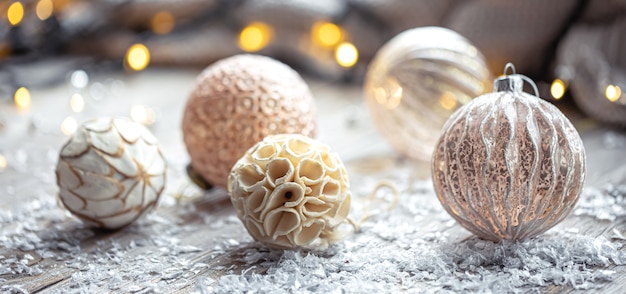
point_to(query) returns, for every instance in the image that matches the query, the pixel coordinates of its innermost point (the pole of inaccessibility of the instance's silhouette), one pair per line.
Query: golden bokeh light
(613, 93)
(22, 98)
(3, 162)
(59, 5)
(447, 100)
(346, 54)
(391, 95)
(15, 13)
(138, 57)
(69, 125)
(255, 37)
(326, 34)
(162, 22)
(44, 9)
(77, 103)
(557, 89)
(143, 115)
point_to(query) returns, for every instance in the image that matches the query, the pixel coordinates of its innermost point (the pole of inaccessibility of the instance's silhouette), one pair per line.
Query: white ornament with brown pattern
(111, 172)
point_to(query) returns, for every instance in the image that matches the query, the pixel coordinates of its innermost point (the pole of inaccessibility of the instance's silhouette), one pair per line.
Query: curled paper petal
(293, 197)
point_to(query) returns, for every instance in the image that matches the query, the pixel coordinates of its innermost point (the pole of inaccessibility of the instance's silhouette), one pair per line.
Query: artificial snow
(416, 247)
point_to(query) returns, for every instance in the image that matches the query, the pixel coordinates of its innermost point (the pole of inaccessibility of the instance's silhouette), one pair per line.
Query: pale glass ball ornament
(508, 165)
(111, 172)
(417, 80)
(290, 191)
(238, 101)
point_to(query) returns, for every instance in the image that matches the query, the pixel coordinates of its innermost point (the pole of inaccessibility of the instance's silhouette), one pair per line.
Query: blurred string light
(162, 22)
(69, 125)
(44, 9)
(389, 96)
(326, 34)
(255, 36)
(15, 13)
(3, 162)
(77, 103)
(79, 79)
(22, 98)
(447, 100)
(557, 89)
(613, 93)
(346, 54)
(138, 57)
(143, 114)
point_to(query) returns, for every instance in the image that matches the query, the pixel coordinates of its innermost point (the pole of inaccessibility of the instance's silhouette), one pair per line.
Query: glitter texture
(417, 247)
(508, 165)
(236, 103)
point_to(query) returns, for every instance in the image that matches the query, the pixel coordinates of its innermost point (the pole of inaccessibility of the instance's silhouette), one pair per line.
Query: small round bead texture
(110, 172)
(508, 165)
(236, 103)
(290, 191)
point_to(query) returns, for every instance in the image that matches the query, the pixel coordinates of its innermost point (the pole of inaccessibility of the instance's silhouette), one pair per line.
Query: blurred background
(573, 49)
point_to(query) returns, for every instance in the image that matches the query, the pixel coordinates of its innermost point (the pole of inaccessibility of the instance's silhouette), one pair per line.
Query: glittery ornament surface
(236, 103)
(508, 165)
(417, 80)
(110, 172)
(290, 191)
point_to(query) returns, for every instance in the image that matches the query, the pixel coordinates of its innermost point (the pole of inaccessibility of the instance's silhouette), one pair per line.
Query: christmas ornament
(589, 63)
(110, 172)
(290, 191)
(417, 80)
(508, 165)
(236, 103)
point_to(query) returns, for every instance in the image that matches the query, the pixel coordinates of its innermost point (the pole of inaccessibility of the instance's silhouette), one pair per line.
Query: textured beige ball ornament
(236, 103)
(417, 80)
(508, 165)
(290, 191)
(110, 172)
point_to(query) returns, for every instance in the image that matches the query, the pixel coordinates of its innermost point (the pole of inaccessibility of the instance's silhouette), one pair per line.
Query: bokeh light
(557, 89)
(346, 54)
(143, 114)
(162, 22)
(69, 125)
(326, 34)
(613, 93)
(44, 9)
(255, 37)
(79, 79)
(447, 100)
(15, 13)
(3, 162)
(77, 103)
(22, 98)
(138, 57)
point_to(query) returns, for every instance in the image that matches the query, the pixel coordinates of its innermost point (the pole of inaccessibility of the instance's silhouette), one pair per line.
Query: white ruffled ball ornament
(290, 191)
(111, 172)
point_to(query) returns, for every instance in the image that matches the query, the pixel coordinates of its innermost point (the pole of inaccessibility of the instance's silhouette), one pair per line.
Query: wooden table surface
(64, 249)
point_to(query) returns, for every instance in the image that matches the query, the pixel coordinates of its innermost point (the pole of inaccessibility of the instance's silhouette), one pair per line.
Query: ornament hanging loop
(513, 82)
(509, 66)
